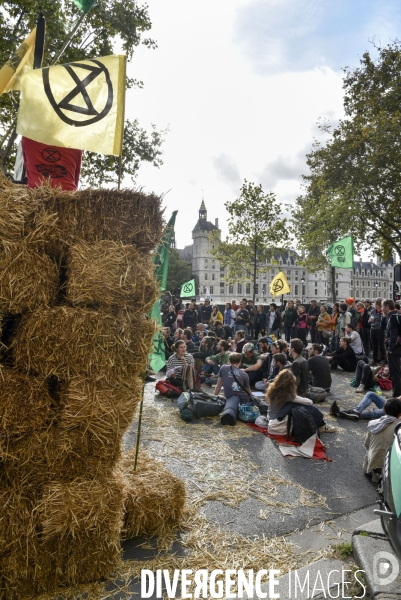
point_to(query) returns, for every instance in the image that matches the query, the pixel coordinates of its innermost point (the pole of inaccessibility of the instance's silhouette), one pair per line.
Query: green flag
(161, 257)
(341, 253)
(188, 289)
(84, 5)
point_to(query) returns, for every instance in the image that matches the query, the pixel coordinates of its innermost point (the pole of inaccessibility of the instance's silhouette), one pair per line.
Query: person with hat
(251, 363)
(313, 315)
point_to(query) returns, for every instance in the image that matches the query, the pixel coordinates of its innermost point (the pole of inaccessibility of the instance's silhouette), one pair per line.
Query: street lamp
(302, 287)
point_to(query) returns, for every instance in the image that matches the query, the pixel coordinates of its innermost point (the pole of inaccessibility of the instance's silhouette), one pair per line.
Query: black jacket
(393, 331)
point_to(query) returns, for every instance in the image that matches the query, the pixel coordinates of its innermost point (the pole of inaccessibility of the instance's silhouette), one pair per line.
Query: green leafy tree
(256, 234)
(354, 185)
(110, 26)
(179, 271)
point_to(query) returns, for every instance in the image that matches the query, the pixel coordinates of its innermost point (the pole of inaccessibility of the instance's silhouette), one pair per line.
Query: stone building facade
(368, 280)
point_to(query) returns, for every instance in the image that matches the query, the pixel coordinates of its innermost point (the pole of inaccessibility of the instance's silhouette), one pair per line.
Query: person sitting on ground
(178, 334)
(362, 410)
(356, 342)
(220, 332)
(239, 341)
(379, 437)
(197, 336)
(280, 362)
(187, 337)
(344, 357)
(251, 363)
(299, 367)
(216, 316)
(319, 367)
(235, 383)
(205, 350)
(214, 362)
(265, 355)
(171, 319)
(282, 391)
(367, 376)
(177, 361)
(260, 321)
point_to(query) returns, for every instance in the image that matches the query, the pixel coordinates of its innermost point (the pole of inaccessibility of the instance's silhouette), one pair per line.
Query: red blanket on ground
(318, 453)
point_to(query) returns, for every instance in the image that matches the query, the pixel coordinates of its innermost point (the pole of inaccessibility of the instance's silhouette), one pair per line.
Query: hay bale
(28, 277)
(67, 342)
(125, 216)
(110, 273)
(25, 406)
(155, 497)
(15, 208)
(68, 534)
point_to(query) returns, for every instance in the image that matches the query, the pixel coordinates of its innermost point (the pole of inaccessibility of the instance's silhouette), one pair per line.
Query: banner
(341, 253)
(157, 358)
(10, 72)
(84, 5)
(279, 285)
(188, 289)
(76, 105)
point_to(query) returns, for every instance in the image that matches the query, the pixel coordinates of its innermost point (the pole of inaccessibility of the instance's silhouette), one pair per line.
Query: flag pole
(71, 35)
(333, 283)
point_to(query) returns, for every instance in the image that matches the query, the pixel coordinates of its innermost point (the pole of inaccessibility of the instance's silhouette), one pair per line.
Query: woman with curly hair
(283, 391)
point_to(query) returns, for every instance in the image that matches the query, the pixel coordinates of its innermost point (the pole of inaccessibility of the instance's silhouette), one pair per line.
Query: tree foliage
(354, 185)
(257, 232)
(179, 271)
(111, 26)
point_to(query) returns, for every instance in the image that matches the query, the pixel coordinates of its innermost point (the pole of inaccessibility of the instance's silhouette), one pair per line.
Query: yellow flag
(10, 72)
(76, 105)
(279, 285)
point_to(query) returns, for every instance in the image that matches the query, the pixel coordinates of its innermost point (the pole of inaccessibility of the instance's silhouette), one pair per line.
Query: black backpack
(303, 424)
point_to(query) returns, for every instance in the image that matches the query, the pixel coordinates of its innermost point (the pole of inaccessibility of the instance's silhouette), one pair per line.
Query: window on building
(231, 289)
(315, 284)
(212, 276)
(205, 276)
(315, 275)
(214, 264)
(222, 269)
(239, 288)
(264, 276)
(204, 289)
(315, 292)
(205, 263)
(368, 283)
(264, 289)
(336, 286)
(296, 290)
(288, 273)
(256, 288)
(221, 286)
(211, 289)
(248, 289)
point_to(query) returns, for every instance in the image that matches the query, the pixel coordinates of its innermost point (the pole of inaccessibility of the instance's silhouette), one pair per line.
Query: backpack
(316, 394)
(353, 321)
(194, 404)
(167, 389)
(303, 424)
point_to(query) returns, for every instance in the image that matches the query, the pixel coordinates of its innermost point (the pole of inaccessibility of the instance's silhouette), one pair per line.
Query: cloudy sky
(241, 84)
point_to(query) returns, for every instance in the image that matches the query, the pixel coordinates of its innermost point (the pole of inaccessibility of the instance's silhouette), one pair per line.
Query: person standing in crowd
(324, 325)
(319, 367)
(229, 315)
(302, 324)
(365, 330)
(273, 320)
(206, 312)
(216, 315)
(299, 367)
(377, 333)
(164, 308)
(344, 318)
(393, 344)
(290, 320)
(313, 314)
(190, 317)
(242, 318)
(252, 312)
(171, 319)
(260, 321)
(334, 319)
(234, 305)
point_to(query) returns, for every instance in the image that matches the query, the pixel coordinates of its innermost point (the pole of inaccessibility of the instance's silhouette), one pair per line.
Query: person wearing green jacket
(211, 368)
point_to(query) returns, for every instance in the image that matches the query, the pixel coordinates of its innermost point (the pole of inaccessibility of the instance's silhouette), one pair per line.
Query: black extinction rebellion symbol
(50, 154)
(81, 88)
(278, 286)
(339, 251)
(188, 288)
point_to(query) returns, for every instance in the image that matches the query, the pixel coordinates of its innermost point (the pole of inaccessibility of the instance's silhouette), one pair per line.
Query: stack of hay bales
(76, 280)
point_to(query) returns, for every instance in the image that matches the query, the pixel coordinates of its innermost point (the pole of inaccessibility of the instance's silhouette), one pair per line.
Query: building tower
(205, 269)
